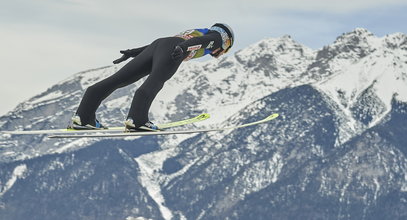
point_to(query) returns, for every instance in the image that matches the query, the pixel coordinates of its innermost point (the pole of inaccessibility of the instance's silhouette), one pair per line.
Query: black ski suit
(155, 60)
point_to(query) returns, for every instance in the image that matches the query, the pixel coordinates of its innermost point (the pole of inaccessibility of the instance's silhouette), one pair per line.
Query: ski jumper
(154, 60)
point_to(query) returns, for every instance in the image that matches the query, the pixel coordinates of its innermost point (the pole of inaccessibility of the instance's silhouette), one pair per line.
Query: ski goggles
(227, 44)
(226, 41)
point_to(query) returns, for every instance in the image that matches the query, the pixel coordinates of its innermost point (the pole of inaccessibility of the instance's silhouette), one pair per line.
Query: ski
(149, 133)
(198, 118)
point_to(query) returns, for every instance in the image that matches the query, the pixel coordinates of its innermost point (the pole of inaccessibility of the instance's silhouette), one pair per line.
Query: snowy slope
(376, 70)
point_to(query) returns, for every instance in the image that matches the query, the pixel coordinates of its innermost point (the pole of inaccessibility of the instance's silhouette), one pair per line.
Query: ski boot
(148, 126)
(76, 124)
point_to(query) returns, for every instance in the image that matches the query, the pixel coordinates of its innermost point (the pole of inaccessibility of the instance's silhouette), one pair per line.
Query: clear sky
(45, 41)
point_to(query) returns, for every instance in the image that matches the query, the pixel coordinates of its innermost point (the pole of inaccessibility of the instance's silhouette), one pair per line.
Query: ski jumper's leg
(136, 69)
(163, 69)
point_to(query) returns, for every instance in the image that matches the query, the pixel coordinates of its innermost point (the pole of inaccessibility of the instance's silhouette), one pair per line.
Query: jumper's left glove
(178, 53)
(126, 55)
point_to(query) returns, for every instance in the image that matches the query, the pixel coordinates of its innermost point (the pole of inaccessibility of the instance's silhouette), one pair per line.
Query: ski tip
(272, 116)
(204, 116)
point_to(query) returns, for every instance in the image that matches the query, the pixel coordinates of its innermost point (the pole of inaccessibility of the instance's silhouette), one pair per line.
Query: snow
(18, 173)
(72, 145)
(256, 180)
(117, 103)
(377, 188)
(47, 97)
(90, 77)
(256, 177)
(404, 186)
(2, 123)
(183, 170)
(149, 165)
(137, 218)
(381, 70)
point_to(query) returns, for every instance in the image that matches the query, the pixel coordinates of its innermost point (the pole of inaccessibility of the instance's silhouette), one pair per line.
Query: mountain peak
(361, 32)
(358, 36)
(351, 46)
(396, 40)
(277, 41)
(271, 47)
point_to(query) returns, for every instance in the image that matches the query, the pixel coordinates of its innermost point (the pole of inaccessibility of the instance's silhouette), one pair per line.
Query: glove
(126, 55)
(178, 53)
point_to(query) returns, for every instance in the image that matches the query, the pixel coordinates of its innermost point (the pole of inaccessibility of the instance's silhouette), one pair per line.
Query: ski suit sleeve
(211, 41)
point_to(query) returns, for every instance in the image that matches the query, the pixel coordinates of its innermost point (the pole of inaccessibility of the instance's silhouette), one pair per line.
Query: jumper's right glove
(178, 53)
(126, 55)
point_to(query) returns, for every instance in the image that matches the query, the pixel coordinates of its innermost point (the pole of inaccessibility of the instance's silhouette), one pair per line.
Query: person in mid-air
(159, 60)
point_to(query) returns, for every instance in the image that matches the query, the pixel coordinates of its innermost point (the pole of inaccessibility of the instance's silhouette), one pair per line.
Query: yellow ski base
(149, 133)
(198, 118)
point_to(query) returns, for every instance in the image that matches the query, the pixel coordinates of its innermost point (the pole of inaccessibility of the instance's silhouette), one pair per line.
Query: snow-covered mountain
(337, 151)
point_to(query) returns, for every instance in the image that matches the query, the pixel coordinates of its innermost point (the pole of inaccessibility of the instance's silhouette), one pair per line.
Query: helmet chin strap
(217, 53)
